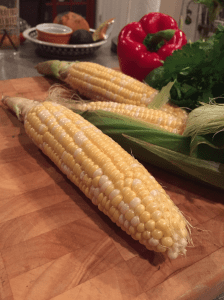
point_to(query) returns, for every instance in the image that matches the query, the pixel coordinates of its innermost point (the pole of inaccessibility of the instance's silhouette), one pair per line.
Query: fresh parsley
(197, 71)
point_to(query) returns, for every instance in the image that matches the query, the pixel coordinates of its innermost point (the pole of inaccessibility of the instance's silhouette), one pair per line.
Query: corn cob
(162, 119)
(110, 177)
(104, 84)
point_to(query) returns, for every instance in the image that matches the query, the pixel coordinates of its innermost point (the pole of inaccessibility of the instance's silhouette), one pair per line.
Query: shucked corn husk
(198, 155)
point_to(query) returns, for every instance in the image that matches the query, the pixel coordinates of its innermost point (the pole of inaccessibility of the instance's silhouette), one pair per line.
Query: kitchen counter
(56, 245)
(22, 64)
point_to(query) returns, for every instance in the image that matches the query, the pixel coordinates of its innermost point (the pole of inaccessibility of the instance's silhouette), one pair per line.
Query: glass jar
(9, 26)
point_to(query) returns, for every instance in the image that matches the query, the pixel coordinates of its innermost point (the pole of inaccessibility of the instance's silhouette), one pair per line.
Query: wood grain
(56, 245)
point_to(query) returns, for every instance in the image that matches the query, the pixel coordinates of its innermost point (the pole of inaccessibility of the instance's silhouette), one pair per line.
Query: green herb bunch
(197, 71)
(214, 7)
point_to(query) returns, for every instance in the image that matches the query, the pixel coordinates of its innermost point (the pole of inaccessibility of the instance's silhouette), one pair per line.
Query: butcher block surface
(55, 244)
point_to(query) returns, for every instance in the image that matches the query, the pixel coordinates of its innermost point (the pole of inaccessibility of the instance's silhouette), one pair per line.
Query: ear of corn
(104, 84)
(162, 119)
(111, 178)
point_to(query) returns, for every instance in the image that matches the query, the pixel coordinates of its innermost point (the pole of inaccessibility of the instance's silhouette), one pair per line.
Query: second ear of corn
(162, 119)
(110, 177)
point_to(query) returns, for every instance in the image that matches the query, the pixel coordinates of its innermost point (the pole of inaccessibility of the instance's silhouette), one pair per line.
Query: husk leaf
(162, 97)
(54, 68)
(206, 171)
(20, 106)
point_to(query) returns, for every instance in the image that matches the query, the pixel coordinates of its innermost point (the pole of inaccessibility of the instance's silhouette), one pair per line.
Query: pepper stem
(154, 41)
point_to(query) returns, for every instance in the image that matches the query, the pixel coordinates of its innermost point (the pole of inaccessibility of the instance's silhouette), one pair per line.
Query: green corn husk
(206, 121)
(203, 170)
(166, 150)
(54, 68)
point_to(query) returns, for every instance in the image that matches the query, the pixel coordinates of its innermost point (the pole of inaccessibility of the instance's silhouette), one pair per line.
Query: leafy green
(197, 71)
(214, 7)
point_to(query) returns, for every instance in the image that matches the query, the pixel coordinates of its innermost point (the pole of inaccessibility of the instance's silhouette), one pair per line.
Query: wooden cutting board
(54, 244)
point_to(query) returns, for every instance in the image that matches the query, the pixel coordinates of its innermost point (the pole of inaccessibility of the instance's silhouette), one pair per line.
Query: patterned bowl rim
(27, 34)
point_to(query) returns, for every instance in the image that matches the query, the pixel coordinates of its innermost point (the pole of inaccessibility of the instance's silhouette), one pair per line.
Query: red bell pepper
(144, 45)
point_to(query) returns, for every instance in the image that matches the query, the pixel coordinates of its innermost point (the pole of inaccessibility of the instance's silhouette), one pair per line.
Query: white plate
(61, 51)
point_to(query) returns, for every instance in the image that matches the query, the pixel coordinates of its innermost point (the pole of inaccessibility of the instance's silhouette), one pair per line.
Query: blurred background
(191, 16)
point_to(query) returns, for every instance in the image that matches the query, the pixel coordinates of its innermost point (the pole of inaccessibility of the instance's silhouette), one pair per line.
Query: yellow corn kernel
(132, 230)
(119, 184)
(146, 235)
(138, 236)
(144, 217)
(96, 181)
(100, 197)
(139, 209)
(116, 200)
(151, 207)
(150, 225)
(156, 215)
(141, 227)
(129, 195)
(116, 215)
(128, 182)
(167, 241)
(157, 234)
(129, 214)
(162, 224)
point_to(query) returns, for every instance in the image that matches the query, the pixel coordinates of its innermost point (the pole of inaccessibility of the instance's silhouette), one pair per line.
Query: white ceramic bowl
(53, 33)
(59, 51)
